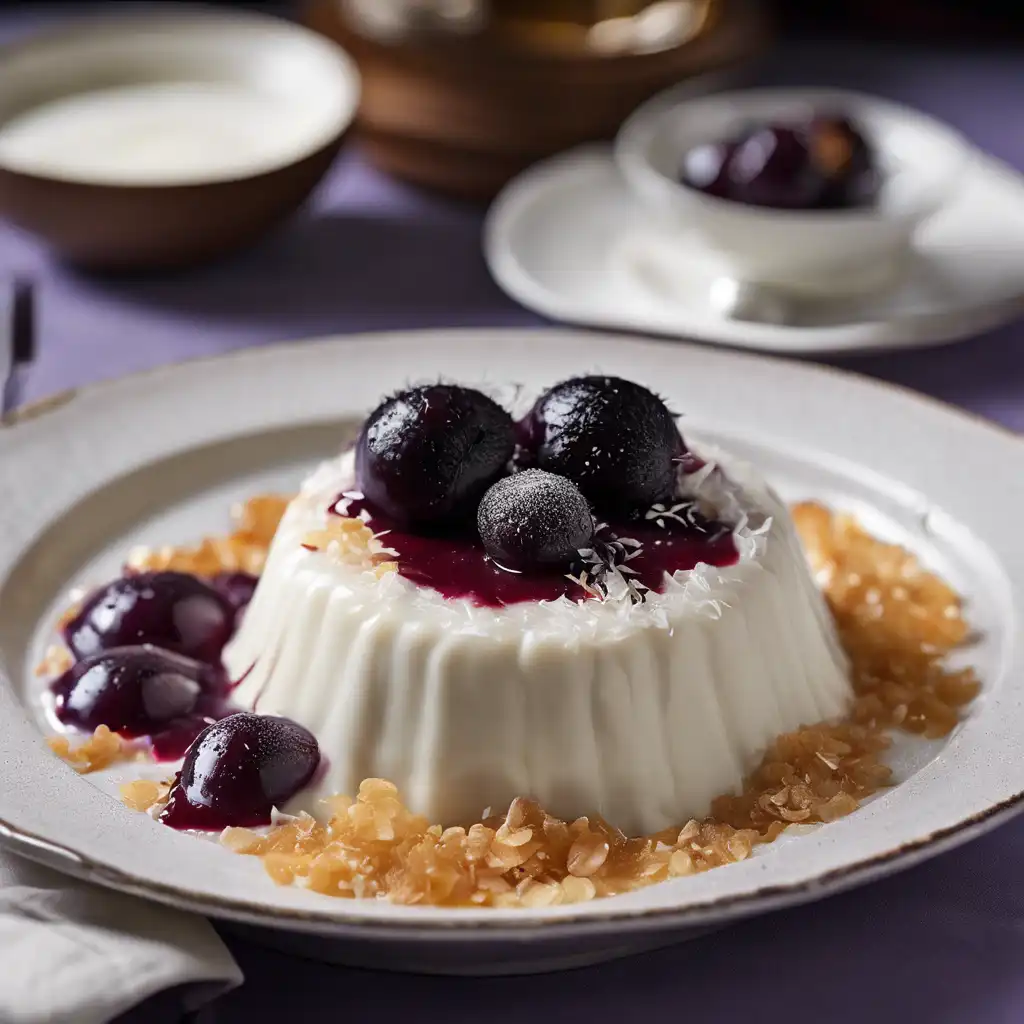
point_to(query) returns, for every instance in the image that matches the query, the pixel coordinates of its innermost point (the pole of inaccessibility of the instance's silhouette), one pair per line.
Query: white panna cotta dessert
(619, 629)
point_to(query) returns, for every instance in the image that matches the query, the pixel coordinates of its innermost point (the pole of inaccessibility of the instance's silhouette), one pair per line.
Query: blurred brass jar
(460, 95)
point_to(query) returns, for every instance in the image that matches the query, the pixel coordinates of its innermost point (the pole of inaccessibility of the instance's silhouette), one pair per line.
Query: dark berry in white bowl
(171, 610)
(819, 162)
(774, 166)
(814, 192)
(238, 770)
(616, 440)
(707, 168)
(425, 456)
(534, 520)
(135, 691)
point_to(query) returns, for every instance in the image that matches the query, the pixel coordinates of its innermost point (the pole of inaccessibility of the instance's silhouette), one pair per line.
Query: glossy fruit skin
(238, 770)
(170, 610)
(822, 162)
(773, 167)
(237, 588)
(615, 440)
(426, 456)
(707, 168)
(134, 691)
(534, 521)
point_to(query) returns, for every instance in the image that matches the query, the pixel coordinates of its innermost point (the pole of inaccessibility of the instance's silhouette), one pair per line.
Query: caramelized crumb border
(897, 622)
(98, 751)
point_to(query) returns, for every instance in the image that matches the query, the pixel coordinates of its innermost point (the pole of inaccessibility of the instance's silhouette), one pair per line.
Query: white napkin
(72, 953)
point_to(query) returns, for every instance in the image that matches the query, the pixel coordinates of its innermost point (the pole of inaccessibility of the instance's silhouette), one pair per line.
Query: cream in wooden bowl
(160, 140)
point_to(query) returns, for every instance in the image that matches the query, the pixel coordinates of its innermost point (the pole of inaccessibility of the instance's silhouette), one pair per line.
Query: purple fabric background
(942, 943)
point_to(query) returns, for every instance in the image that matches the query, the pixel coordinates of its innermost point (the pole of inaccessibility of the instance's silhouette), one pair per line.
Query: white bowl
(824, 252)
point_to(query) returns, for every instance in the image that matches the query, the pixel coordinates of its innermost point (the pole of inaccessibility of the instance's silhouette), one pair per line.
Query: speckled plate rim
(49, 814)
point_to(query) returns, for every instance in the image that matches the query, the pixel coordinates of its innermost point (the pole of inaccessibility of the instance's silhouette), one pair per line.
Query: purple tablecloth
(941, 943)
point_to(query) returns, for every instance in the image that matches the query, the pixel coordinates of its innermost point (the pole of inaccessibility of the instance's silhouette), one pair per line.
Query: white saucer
(568, 240)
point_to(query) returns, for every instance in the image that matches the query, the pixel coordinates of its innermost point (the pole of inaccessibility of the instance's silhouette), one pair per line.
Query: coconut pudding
(579, 607)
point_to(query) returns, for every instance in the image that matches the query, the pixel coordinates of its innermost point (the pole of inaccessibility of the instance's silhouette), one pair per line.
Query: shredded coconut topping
(607, 574)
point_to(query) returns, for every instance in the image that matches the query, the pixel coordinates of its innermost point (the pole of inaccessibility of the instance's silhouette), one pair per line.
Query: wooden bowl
(466, 112)
(158, 141)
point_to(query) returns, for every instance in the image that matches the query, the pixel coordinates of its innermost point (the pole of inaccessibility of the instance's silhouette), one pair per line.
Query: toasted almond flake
(689, 832)
(243, 550)
(141, 794)
(518, 837)
(587, 855)
(577, 890)
(241, 840)
(377, 788)
(55, 661)
(72, 609)
(159, 800)
(739, 847)
(680, 863)
(540, 894)
(102, 749)
(791, 815)
(518, 812)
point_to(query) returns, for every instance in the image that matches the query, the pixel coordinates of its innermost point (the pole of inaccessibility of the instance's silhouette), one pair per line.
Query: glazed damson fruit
(822, 162)
(425, 456)
(238, 770)
(615, 440)
(170, 610)
(135, 691)
(774, 167)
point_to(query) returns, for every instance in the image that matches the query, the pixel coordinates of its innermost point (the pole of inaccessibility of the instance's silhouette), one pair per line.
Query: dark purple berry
(706, 168)
(236, 588)
(170, 610)
(427, 455)
(534, 520)
(135, 691)
(773, 167)
(238, 770)
(816, 163)
(614, 439)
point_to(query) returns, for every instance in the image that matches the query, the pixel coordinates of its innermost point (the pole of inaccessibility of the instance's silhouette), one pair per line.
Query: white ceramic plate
(569, 240)
(160, 456)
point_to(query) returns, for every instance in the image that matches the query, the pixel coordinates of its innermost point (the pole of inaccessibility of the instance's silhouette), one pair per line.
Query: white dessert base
(639, 713)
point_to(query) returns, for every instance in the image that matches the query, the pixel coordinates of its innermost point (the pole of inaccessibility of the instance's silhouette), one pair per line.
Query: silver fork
(21, 344)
